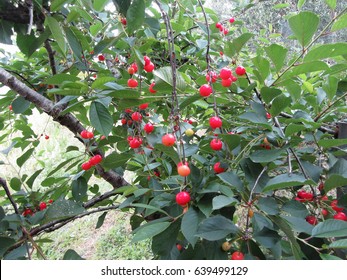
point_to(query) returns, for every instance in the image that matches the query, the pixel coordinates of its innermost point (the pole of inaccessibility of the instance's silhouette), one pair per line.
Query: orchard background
(218, 127)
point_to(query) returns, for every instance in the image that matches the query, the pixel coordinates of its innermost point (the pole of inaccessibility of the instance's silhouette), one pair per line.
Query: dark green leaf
(341, 244)
(267, 237)
(5, 243)
(165, 75)
(280, 103)
(135, 15)
(337, 176)
(232, 180)
(24, 157)
(221, 201)
(328, 143)
(72, 255)
(61, 209)
(189, 226)
(20, 105)
(79, 189)
(15, 184)
(285, 181)
(57, 33)
(5, 32)
(234, 47)
(216, 228)
(263, 156)
(100, 118)
(268, 205)
(33, 177)
(268, 94)
(101, 220)
(149, 230)
(60, 78)
(330, 228)
(304, 25)
(115, 160)
(99, 5)
(298, 224)
(122, 6)
(326, 51)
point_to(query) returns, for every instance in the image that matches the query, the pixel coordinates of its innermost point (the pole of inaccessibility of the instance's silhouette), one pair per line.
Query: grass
(113, 240)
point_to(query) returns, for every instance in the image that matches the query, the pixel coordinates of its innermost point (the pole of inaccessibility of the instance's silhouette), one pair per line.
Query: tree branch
(67, 120)
(9, 196)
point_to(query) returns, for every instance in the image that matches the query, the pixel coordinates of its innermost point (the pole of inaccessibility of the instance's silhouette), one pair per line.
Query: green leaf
(337, 176)
(149, 230)
(99, 5)
(330, 86)
(330, 228)
(232, 180)
(268, 205)
(101, 220)
(277, 55)
(116, 160)
(221, 201)
(254, 117)
(28, 44)
(285, 181)
(295, 209)
(280, 103)
(293, 128)
(331, 4)
(267, 237)
(304, 25)
(150, 207)
(5, 32)
(72, 255)
(122, 6)
(79, 189)
(20, 105)
(326, 51)
(60, 78)
(135, 15)
(61, 209)
(236, 45)
(57, 33)
(268, 94)
(189, 226)
(307, 67)
(24, 157)
(165, 75)
(101, 81)
(232, 140)
(301, 3)
(328, 143)
(298, 224)
(100, 118)
(341, 244)
(5, 243)
(328, 257)
(57, 4)
(74, 43)
(262, 156)
(216, 228)
(125, 94)
(15, 184)
(340, 23)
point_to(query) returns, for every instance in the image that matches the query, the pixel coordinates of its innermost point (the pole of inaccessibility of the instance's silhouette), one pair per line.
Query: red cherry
(325, 212)
(216, 144)
(131, 70)
(225, 31)
(211, 77)
(148, 128)
(135, 143)
(183, 169)
(168, 140)
(101, 57)
(50, 201)
(227, 82)
(182, 198)
(46, 137)
(231, 20)
(42, 206)
(27, 212)
(132, 83)
(268, 115)
(123, 21)
(218, 25)
(143, 106)
(205, 90)
(179, 247)
(240, 71)
(86, 166)
(217, 168)
(340, 216)
(215, 122)
(147, 60)
(90, 135)
(124, 121)
(237, 256)
(84, 134)
(333, 205)
(149, 67)
(151, 90)
(311, 220)
(136, 116)
(135, 67)
(10, 107)
(221, 53)
(225, 73)
(95, 160)
(233, 78)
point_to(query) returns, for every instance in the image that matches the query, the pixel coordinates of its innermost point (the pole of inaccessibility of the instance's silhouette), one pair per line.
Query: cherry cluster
(28, 211)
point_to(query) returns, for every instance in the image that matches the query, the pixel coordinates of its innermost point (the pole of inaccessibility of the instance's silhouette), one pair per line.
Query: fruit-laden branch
(67, 120)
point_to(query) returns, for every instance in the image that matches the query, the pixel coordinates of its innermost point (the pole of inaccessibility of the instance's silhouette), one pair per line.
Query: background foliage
(282, 163)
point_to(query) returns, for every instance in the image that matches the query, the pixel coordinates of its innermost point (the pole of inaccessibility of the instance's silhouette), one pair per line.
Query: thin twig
(31, 15)
(322, 113)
